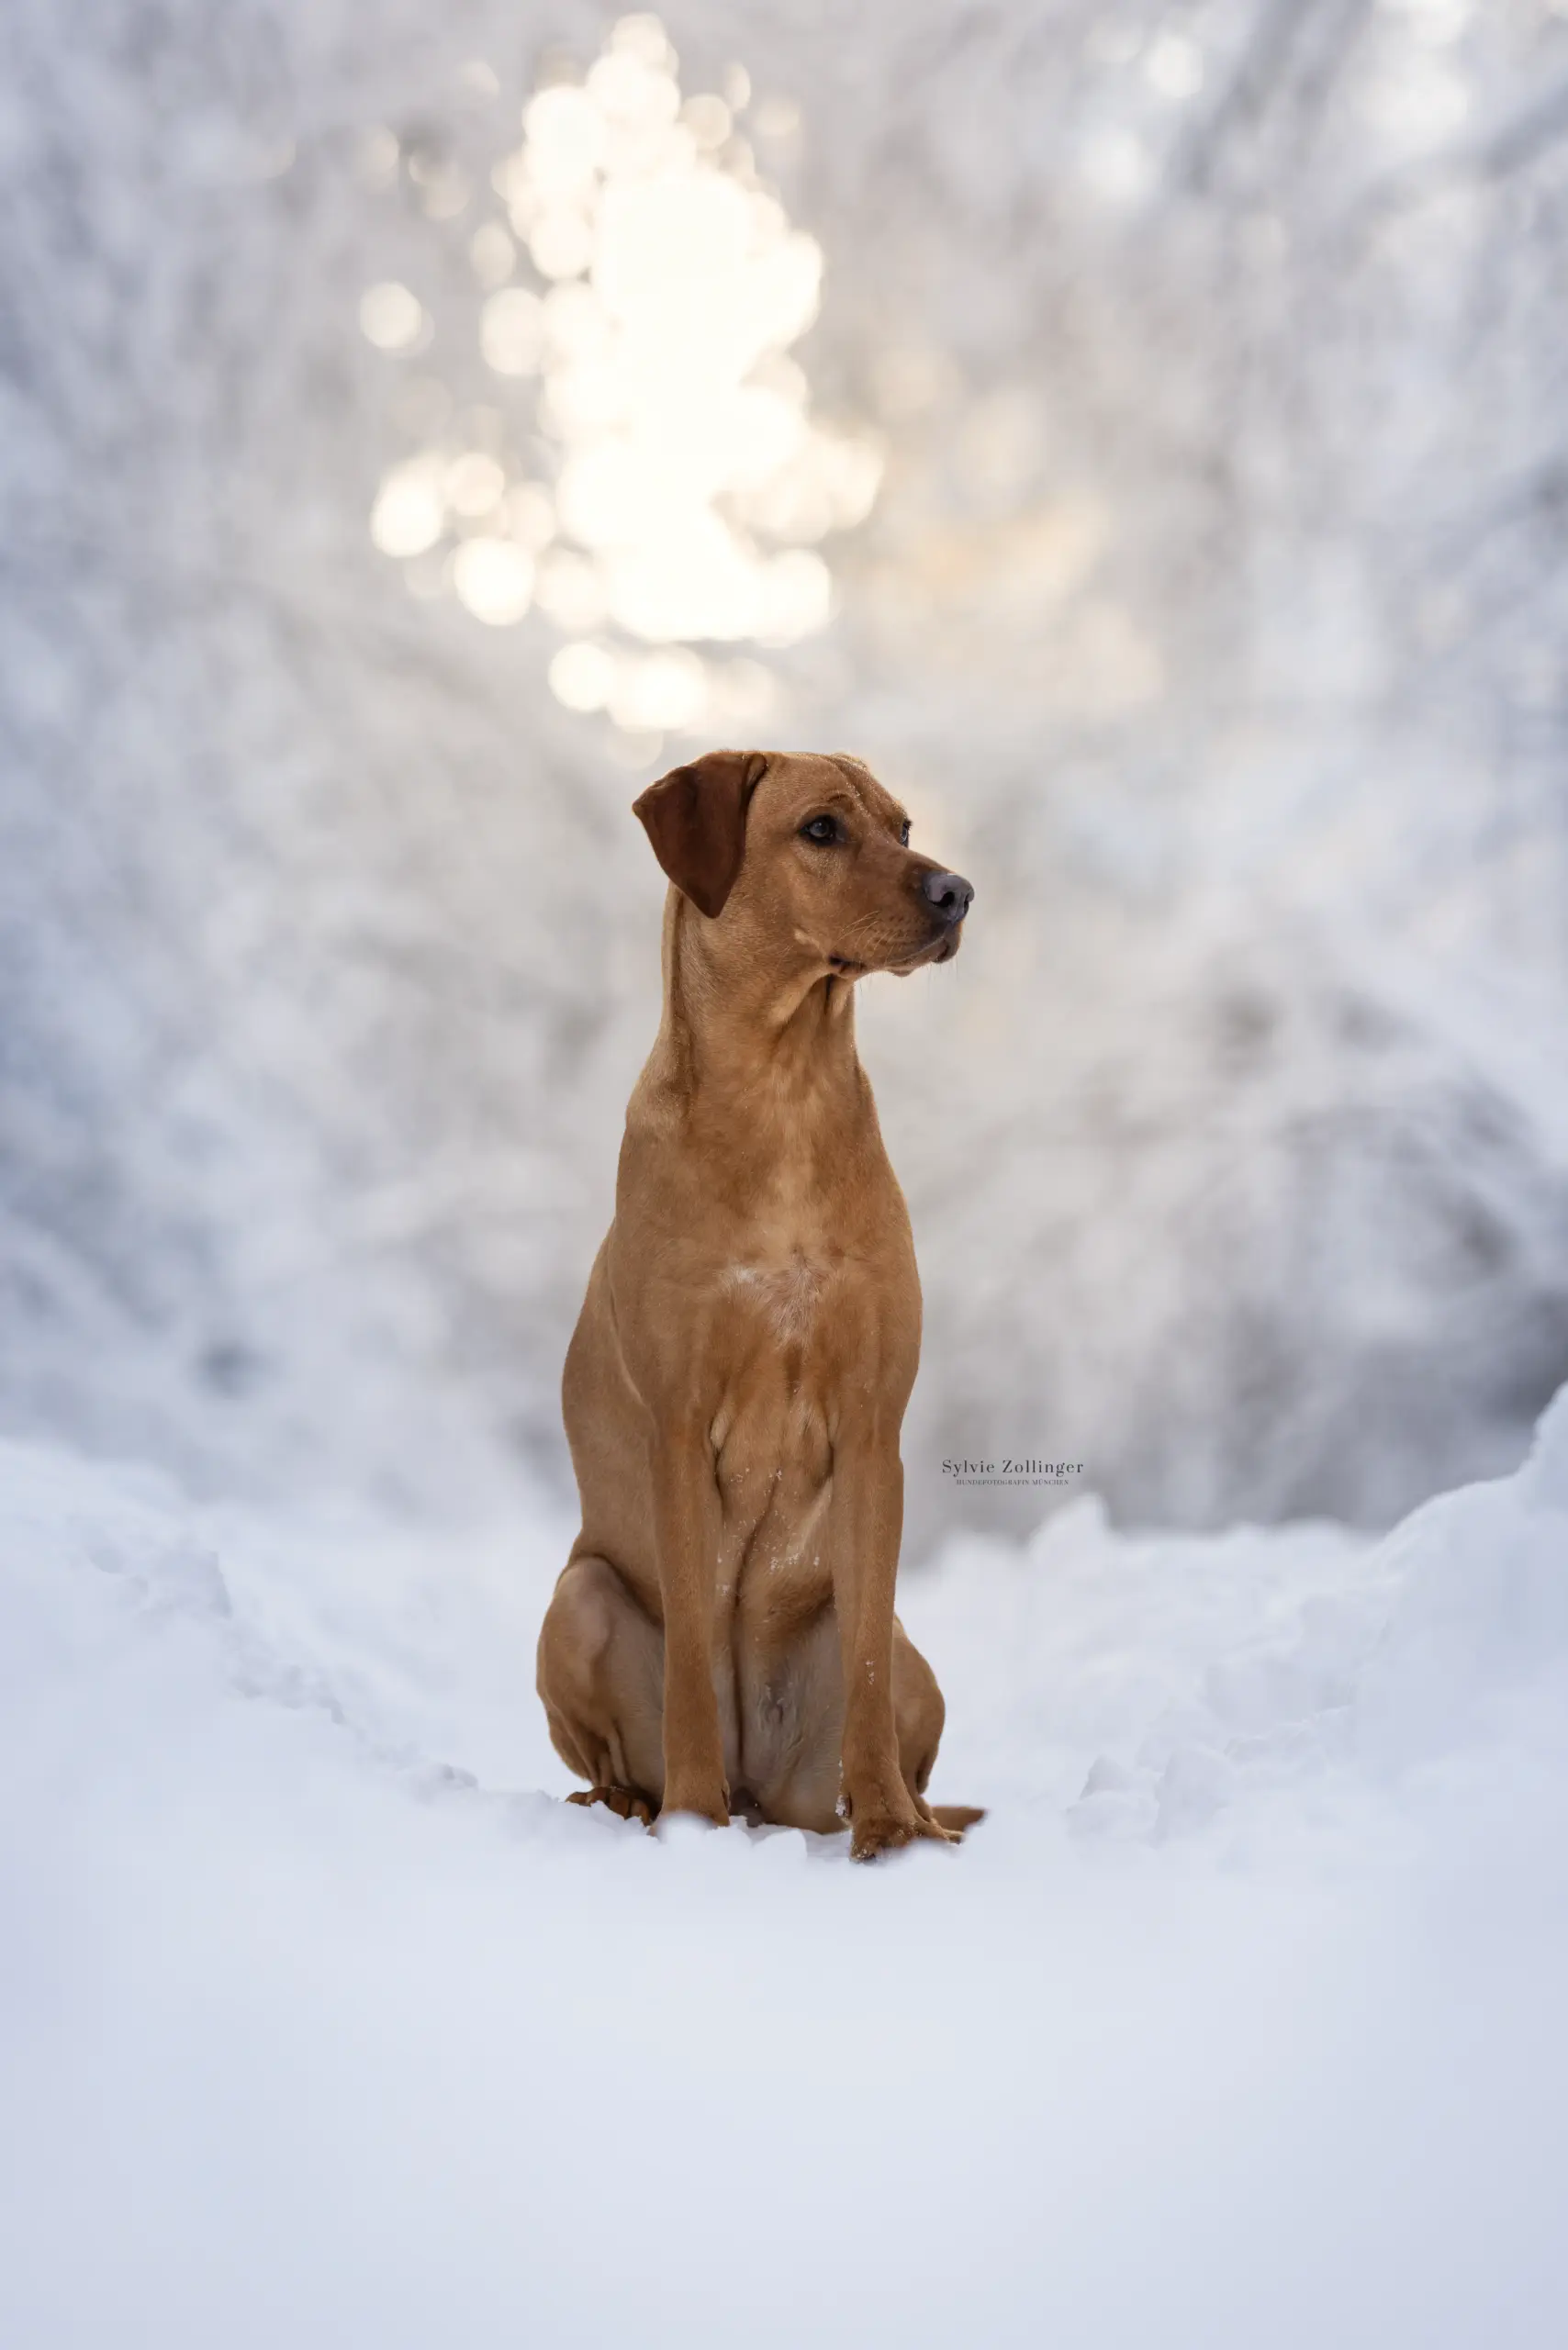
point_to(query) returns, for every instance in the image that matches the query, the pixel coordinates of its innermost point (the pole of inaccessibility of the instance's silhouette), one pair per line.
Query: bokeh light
(643, 291)
(391, 317)
(494, 579)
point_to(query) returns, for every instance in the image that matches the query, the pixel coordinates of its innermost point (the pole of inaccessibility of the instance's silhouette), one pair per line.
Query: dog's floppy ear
(695, 817)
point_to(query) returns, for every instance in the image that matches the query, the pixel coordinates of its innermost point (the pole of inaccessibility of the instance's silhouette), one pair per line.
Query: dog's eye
(819, 828)
(903, 833)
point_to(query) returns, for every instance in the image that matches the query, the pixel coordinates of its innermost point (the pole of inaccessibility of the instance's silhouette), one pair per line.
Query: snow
(1237, 2021)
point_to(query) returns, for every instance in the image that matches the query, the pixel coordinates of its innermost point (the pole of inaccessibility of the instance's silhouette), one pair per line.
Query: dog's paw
(625, 1802)
(875, 1833)
(711, 1807)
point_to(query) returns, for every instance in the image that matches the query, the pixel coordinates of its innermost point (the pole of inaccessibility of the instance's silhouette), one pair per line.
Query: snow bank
(1239, 2023)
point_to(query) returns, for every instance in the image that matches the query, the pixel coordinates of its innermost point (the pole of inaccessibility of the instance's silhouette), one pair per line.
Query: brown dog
(724, 1634)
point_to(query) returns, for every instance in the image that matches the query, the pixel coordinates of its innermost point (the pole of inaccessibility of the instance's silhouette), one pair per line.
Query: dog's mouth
(939, 949)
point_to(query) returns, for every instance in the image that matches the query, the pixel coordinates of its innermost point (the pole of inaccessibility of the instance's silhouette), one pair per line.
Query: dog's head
(806, 856)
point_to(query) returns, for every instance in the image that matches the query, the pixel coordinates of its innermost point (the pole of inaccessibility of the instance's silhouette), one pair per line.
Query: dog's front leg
(868, 1511)
(687, 1532)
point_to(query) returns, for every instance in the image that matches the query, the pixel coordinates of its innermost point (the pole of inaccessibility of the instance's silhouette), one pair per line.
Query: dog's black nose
(949, 893)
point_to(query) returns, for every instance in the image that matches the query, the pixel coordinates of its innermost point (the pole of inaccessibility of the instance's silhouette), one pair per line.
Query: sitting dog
(723, 1636)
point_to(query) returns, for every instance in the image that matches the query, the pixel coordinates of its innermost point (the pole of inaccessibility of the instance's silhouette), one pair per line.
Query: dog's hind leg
(920, 1712)
(794, 1709)
(602, 1679)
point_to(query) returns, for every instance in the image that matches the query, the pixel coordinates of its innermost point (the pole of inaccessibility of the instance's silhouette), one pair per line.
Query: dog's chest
(782, 1321)
(781, 1294)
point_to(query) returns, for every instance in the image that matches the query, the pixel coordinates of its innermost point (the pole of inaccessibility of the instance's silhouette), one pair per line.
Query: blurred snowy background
(1138, 427)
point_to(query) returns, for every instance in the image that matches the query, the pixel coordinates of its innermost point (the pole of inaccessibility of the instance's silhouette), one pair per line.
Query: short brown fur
(723, 1636)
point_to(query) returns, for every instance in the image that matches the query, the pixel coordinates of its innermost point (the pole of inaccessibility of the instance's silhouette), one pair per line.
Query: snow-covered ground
(1240, 2022)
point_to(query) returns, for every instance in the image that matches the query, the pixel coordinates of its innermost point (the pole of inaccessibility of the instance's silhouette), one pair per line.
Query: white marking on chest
(786, 1291)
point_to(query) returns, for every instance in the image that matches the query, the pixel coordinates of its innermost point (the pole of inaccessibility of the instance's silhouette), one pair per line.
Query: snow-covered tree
(1145, 446)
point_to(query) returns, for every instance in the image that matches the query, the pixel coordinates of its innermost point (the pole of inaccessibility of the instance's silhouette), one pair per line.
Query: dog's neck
(741, 1032)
